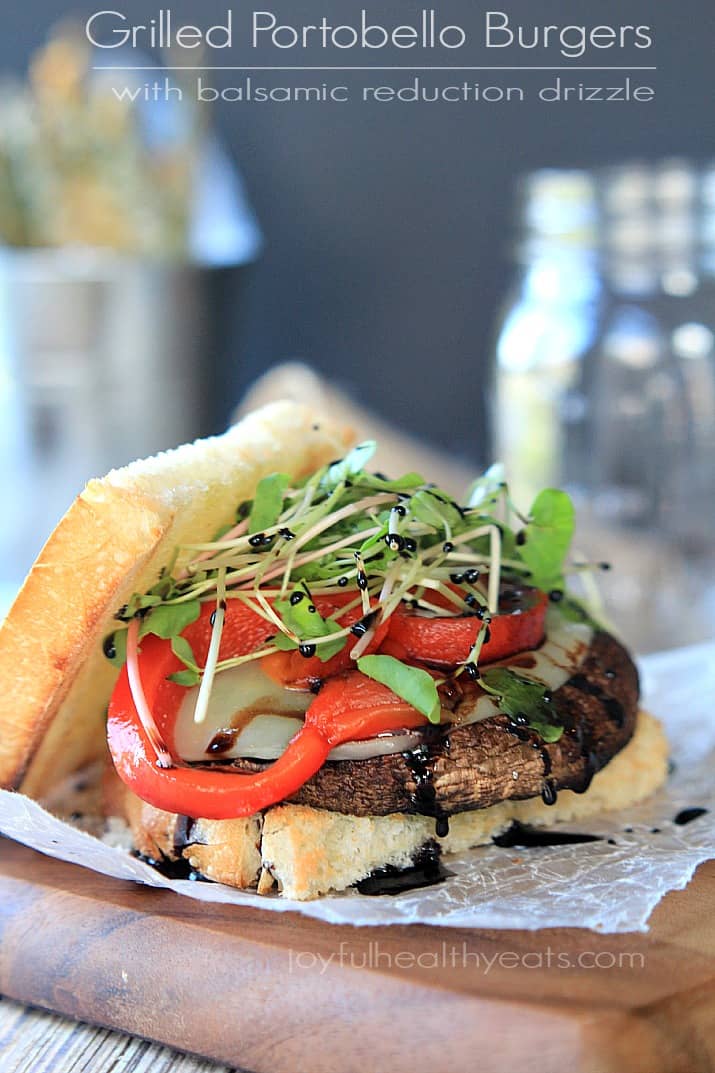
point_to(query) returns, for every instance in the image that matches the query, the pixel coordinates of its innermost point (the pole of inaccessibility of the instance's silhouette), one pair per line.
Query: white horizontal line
(204, 67)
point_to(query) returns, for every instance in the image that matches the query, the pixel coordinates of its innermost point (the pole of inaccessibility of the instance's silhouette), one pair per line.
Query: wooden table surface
(211, 978)
(32, 1041)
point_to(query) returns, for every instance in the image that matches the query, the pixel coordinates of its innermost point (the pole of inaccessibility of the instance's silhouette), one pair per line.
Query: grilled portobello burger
(321, 670)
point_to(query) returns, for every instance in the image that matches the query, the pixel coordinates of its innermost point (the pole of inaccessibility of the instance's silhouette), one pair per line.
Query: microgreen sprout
(217, 620)
(163, 756)
(343, 530)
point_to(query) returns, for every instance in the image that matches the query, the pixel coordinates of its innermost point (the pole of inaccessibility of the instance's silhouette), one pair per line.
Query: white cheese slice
(552, 664)
(251, 715)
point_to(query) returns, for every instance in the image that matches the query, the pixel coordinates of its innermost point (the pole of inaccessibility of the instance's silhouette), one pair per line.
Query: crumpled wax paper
(608, 888)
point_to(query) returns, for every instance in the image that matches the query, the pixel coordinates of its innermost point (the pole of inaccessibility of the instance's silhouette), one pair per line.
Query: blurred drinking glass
(605, 382)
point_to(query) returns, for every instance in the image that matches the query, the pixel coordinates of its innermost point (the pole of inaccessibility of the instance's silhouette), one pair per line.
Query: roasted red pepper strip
(292, 669)
(350, 707)
(211, 795)
(450, 640)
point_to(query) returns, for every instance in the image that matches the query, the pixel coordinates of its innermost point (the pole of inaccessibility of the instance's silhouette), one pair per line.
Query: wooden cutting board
(285, 994)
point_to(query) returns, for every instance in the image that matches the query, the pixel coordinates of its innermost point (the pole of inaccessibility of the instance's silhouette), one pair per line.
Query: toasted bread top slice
(112, 542)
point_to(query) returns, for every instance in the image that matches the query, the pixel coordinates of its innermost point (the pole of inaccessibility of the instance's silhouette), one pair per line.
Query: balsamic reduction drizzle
(524, 837)
(222, 741)
(420, 763)
(182, 833)
(441, 826)
(584, 736)
(180, 869)
(517, 727)
(426, 871)
(687, 815)
(548, 792)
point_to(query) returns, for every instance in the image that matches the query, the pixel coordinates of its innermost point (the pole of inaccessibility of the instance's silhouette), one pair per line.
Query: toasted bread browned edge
(113, 541)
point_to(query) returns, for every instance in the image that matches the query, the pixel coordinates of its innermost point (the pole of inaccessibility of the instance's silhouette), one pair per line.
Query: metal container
(103, 359)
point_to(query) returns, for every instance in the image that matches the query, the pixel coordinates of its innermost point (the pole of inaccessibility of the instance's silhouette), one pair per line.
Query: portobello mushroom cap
(458, 768)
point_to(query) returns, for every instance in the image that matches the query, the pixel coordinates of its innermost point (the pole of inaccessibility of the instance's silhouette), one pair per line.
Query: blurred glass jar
(605, 382)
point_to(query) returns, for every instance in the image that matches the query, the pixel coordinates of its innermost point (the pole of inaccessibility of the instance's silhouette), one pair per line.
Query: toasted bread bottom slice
(307, 852)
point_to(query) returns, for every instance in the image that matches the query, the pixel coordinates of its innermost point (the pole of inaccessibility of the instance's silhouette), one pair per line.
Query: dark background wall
(388, 226)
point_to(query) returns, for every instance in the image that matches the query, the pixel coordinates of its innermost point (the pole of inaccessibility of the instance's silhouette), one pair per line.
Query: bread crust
(113, 541)
(98, 548)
